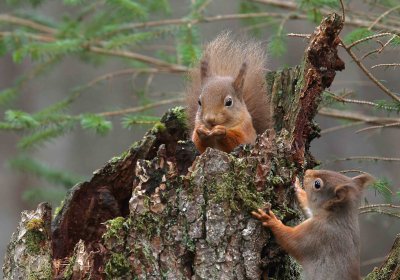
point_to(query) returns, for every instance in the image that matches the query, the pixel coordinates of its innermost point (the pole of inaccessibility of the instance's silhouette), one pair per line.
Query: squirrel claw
(267, 219)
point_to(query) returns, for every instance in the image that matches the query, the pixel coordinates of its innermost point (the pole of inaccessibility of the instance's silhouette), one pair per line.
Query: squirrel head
(221, 98)
(329, 190)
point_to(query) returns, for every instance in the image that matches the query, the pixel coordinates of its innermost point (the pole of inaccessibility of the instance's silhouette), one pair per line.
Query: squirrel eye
(228, 102)
(317, 184)
(199, 102)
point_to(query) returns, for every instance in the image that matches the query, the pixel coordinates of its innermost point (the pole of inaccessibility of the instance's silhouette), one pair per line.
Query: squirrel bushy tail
(225, 57)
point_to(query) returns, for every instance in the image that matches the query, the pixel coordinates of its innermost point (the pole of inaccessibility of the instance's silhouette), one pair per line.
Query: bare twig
(339, 127)
(368, 38)
(141, 108)
(353, 116)
(379, 50)
(351, 20)
(352, 171)
(387, 209)
(386, 65)
(354, 101)
(140, 57)
(371, 158)
(184, 21)
(306, 36)
(343, 10)
(128, 71)
(369, 75)
(378, 126)
(386, 205)
(382, 16)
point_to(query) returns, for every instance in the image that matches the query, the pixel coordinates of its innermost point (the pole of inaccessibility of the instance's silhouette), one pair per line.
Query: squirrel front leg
(287, 237)
(301, 196)
(244, 134)
(200, 137)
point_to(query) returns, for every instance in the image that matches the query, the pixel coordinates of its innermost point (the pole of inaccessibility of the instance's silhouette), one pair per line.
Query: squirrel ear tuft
(239, 81)
(363, 180)
(204, 69)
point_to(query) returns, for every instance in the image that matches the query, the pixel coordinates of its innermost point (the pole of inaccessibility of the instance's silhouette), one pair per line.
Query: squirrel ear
(341, 192)
(341, 195)
(204, 69)
(363, 180)
(239, 81)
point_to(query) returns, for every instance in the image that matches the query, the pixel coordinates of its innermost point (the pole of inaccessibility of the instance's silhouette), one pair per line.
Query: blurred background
(31, 172)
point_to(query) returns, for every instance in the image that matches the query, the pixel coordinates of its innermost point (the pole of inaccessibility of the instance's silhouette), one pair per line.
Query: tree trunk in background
(145, 216)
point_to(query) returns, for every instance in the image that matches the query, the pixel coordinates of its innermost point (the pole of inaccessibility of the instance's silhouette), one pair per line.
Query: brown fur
(326, 244)
(229, 67)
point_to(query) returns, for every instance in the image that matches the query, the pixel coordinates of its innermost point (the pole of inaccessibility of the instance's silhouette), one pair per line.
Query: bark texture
(160, 211)
(390, 269)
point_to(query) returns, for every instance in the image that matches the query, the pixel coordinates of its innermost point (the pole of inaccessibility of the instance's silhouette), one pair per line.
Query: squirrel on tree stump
(327, 244)
(227, 102)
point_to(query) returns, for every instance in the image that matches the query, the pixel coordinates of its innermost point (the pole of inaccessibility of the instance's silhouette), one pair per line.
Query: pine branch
(26, 23)
(141, 108)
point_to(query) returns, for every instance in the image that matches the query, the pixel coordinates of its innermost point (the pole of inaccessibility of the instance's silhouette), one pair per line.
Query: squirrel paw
(300, 193)
(267, 220)
(203, 132)
(218, 131)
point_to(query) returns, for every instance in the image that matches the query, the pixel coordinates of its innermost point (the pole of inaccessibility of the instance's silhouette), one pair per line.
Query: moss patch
(117, 266)
(69, 270)
(34, 236)
(180, 115)
(159, 127)
(238, 189)
(35, 224)
(147, 223)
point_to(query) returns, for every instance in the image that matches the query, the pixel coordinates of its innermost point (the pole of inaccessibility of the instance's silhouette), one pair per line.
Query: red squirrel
(227, 103)
(327, 243)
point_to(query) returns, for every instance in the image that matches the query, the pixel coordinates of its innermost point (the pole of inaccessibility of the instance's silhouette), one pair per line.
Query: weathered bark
(390, 269)
(145, 216)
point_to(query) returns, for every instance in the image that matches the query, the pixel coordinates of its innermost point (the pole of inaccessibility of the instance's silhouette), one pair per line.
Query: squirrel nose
(210, 120)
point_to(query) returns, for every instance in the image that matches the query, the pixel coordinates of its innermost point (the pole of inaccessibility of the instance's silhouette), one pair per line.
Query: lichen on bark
(29, 254)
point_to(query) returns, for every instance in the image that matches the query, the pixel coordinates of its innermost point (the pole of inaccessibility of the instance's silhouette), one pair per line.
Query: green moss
(41, 275)
(40, 271)
(58, 209)
(34, 236)
(69, 270)
(158, 128)
(117, 266)
(116, 229)
(387, 271)
(114, 160)
(35, 224)
(147, 223)
(238, 189)
(180, 115)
